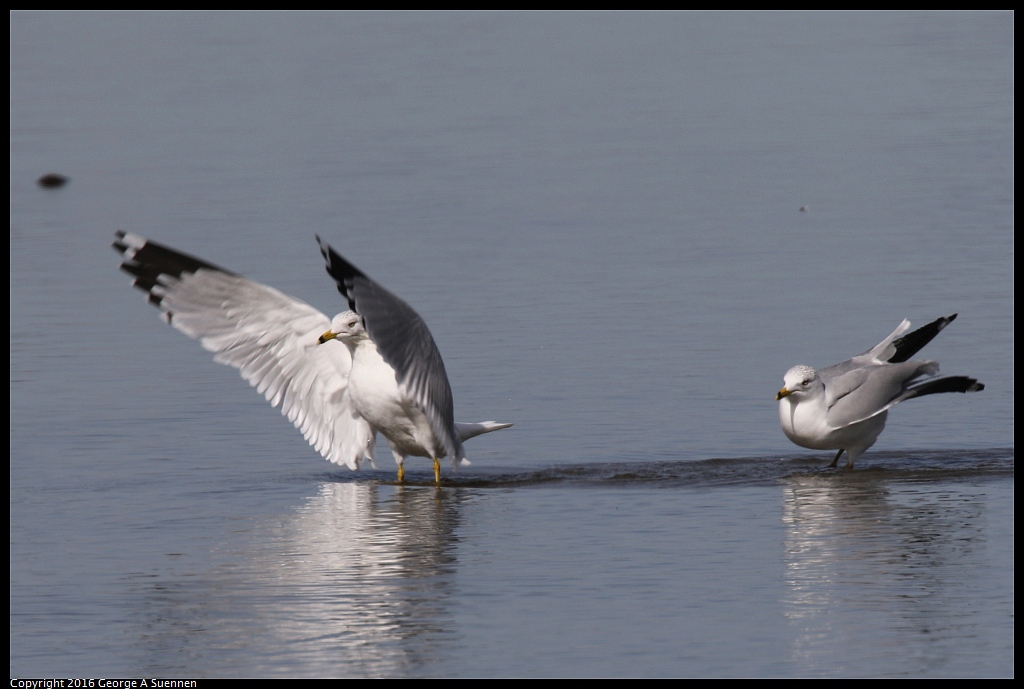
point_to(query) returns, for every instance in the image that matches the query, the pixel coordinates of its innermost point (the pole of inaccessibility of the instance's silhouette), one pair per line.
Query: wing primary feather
(265, 334)
(912, 343)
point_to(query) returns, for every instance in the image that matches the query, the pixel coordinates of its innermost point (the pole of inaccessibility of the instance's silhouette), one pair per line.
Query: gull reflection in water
(870, 558)
(355, 582)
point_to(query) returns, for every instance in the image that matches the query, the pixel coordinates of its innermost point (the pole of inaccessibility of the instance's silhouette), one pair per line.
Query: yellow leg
(401, 473)
(437, 470)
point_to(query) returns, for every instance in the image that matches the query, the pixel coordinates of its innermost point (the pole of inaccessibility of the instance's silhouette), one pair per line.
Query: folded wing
(868, 391)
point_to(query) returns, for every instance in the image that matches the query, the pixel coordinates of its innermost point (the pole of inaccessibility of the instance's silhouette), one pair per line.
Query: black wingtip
(343, 272)
(912, 343)
(949, 384)
(146, 260)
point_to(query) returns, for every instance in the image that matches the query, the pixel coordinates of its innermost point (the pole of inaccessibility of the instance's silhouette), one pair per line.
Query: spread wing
(894, 349)
(405, 343)
(270, 337)
(872, 382)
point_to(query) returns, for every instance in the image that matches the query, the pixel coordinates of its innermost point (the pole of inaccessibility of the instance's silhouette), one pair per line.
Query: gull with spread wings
(374, 368)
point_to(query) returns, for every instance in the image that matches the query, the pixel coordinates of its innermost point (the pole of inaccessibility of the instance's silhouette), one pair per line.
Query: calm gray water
(599, 216)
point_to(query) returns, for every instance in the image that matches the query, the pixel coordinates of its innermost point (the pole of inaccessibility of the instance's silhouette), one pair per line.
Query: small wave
(920, 465)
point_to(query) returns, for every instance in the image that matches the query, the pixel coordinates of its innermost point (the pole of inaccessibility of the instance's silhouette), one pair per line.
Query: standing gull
(373, 368)
(844, 407)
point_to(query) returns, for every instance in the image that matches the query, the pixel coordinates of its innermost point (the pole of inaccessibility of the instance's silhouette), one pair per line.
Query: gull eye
(807, 381)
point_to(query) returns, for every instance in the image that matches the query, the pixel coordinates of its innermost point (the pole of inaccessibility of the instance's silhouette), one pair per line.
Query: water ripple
(922, 465)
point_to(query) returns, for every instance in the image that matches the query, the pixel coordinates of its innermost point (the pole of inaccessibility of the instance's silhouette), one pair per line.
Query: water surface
(599, 217)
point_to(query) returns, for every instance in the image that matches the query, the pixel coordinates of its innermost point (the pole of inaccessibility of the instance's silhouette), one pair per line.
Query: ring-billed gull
(372, 369)
(844, 407)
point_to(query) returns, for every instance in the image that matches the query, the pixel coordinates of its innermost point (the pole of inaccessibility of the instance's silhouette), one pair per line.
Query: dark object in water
(52, 181)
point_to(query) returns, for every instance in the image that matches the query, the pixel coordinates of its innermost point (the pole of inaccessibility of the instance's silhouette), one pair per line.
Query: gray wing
(894, 349)
(270, 337)
(875, 355)
(403, 340)
(868, 391)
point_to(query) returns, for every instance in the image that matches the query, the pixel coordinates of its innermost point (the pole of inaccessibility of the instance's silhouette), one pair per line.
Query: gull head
(800, 381)
(347, 327)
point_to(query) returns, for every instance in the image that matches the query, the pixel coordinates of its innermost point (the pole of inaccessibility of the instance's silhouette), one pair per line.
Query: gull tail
(472, 430)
